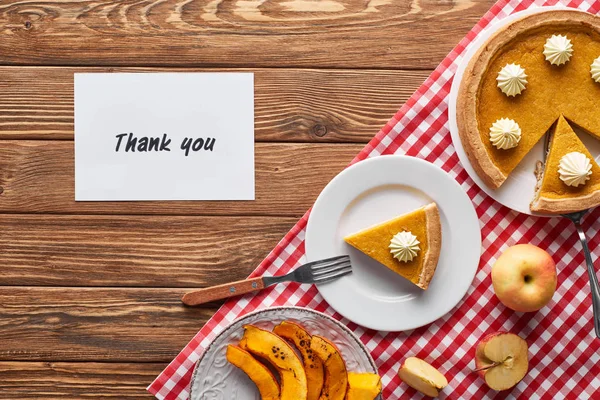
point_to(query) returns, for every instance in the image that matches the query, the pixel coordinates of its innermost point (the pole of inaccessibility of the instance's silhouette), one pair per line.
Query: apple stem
(495, 364)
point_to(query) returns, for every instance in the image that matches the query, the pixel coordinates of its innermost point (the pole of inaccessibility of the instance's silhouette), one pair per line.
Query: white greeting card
(164, 136)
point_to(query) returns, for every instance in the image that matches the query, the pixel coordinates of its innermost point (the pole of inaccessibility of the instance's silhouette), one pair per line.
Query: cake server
(576, 218)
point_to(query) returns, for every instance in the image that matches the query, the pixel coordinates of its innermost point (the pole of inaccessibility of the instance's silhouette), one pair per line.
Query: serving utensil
(576, 218)
(317, 272)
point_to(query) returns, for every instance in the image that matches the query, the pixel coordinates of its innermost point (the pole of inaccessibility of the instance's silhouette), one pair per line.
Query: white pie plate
(214, 378)
(373, 191)
(518, 190)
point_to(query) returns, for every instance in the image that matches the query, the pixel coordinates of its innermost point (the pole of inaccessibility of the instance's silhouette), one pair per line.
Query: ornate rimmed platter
(214, 378)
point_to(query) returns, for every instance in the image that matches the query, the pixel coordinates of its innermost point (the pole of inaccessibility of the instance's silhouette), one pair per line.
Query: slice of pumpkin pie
(570, 180)
(408, 244)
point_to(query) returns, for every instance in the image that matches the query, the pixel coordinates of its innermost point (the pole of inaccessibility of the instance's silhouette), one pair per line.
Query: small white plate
(215, 378)
(518, 190)
(373, 191)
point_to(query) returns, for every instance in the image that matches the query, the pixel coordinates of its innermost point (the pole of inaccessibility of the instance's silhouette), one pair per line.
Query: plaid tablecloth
(564, 354)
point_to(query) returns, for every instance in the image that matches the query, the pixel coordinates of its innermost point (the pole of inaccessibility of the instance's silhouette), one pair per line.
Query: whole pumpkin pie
(408, 244)
(520, 81)
(577, 188)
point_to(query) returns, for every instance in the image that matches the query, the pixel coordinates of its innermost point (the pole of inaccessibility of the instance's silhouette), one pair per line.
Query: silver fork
(317, 272)
(595, 288)
(576, 218)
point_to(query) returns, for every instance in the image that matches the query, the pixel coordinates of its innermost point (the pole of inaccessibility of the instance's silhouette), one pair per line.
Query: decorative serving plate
(215, 378)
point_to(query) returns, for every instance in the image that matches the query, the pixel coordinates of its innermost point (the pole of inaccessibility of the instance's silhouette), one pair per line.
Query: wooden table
(89, 303)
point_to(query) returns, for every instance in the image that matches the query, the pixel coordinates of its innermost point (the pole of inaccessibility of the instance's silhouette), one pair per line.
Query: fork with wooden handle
(316, 272)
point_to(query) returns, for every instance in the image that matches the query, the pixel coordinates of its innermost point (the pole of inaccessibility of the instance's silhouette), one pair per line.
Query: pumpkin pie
(555, 196)
(424, 224)
(550, 90)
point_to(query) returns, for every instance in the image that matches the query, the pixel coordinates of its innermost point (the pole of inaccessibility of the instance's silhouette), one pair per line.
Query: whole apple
(524, 277)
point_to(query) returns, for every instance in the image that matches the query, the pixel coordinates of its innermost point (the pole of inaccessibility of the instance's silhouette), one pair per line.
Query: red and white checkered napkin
(564, 354)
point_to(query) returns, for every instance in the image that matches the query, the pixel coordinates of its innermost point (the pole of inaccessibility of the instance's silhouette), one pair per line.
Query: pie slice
(424, 223)
(553, 195)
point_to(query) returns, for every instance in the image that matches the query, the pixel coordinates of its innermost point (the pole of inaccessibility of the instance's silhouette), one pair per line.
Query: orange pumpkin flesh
(274, 349)
(336, 376)
(313, 366)
(259, 374)
(363, 386)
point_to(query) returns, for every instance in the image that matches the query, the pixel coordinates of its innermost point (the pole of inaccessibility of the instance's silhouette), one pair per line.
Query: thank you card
(164, 136)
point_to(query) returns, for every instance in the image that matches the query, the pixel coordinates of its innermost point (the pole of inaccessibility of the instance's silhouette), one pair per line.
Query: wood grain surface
(290, 104)
(90, 291)
(76, 381)
(38, 177)
(414, 34)
(96, 324)
(153, 251)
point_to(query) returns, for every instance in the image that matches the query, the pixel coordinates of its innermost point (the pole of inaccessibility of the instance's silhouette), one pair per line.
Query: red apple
(524, 277)
(502, 360)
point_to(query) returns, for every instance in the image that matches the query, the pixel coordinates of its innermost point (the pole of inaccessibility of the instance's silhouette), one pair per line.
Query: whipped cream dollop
(505, 134)
(558, 49)
(404, 246)
(595, 69)
(512, 79)
(575, 169)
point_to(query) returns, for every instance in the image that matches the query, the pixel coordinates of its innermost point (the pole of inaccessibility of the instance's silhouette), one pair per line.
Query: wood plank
(59, 250)
(38, 177)
(333, 33)
(290, 104)
(52, 380)
(93, 324)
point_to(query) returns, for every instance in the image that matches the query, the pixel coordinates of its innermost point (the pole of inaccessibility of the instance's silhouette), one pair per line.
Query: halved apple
(274, 349)
(363, 386)
(313, 366)
(336, 376)
(259, 374)
(502, 359)
(422, 376)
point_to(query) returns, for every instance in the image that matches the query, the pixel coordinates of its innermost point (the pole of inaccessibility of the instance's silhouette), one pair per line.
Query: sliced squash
(313, 366)
(336, 376)
(274, 349)
(259, 374)
(363, 386)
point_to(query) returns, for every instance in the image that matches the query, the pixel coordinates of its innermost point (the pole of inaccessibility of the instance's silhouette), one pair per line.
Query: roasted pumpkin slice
(313, 366)
(336, 376)
(274, 349)
(259, 374)
(363, 386)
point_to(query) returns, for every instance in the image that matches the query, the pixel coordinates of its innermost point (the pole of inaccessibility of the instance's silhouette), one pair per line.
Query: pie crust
(566, 206)
(434, 239)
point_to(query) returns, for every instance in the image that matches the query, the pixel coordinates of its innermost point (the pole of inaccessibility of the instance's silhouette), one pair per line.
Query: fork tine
(332, 272)
(316, 265)
(333, 268)
(333, 277)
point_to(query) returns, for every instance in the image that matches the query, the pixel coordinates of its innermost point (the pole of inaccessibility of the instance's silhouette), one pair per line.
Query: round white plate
(373, 191)
(518, 190)
(215, 378)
